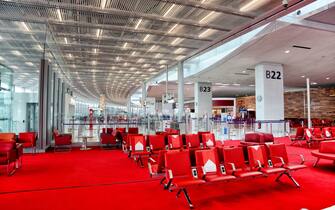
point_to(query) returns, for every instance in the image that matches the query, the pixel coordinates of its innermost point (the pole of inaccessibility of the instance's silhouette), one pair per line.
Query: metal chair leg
(279, 176)
(188, 198)
(316, 162)
(292, 179)
(178, 193)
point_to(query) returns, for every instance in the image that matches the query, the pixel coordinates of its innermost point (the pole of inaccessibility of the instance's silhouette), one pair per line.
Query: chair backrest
(234, 155)
(109, 130)
(178, 162)
(317, 132)
(27, 136)
(137, 143)
(208, 140)
(327, 146)
(133, 130)
(192, 140)
(278, 150)
(208, 160)
(299, 132)
(7, 136)
(6, 146)
(252, 137)
(121, 130)
(327, 132)
(200, 134)
(103, 130)
(172, 131)
(333, 131)
(257, 154)
(156, 142)
(175, 142)
(309, 132)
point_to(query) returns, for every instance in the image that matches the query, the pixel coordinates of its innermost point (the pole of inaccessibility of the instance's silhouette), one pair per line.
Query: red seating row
(180, 174)
(313, 135)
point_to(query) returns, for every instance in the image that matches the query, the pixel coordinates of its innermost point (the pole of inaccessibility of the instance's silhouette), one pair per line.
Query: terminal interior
(167, 104)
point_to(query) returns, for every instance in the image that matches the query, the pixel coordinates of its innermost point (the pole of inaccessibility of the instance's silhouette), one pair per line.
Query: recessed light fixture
(287, 51)
(327, 78)
(206, 17)
(146, 37)
(314, 83)
(125, 45)
(29, 63)
(15, 52)
(236, 84)
(172, 28)
(138, 23)
(59, 15)
(205, 33)
(244, 72)
(25, 26)
(169, 10)
(176, 41)
(65, 40)
(303, 76)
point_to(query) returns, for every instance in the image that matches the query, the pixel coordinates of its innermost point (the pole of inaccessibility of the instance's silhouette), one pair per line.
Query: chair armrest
(233, 167)
(302, 158)
(151, 160)
(259, 164)
(170, 174)
(281, 160)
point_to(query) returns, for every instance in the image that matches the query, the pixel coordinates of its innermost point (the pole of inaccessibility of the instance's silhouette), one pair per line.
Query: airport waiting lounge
(167, 104)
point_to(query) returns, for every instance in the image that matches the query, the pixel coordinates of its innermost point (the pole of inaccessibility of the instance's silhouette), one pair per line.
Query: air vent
(250, 69)
(302, 47)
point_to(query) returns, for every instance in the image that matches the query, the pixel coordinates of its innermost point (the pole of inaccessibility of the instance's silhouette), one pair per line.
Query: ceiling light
(138, 23)
(172, 28)
(103, 4)
(146, 37)
(1, 58)
(176, 41)
(94, 62)
(327, 78)
(59, 15)
(29, 63)
(244, 72)
(125, 45)
(251, 85)
(25, 26)
(287, 51)
(205, 33)
(39, 47)
(152, 47)
(179, 50)
(314, 83)
(236, 84)
(180, 57)
(133, 53)
(65, 40)
(1, 38)
(15, 52)
(252, 5)
(95, 50)
(169, 10)
(303, 76)
(70, 55)
(98, 32)
(14, 67)
(158, 55)
(206, 17)
(117, 58)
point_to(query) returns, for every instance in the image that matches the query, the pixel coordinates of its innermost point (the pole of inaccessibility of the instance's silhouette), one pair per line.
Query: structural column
(203, 99)
(44, 132)
(180, 91)
(269, 91)
(144, 96)
(309, 121)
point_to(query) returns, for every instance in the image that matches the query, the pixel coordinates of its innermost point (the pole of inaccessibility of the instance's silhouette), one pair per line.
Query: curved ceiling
(111, 46)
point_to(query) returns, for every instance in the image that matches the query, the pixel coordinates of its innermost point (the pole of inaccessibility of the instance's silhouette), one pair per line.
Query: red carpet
(107, 179)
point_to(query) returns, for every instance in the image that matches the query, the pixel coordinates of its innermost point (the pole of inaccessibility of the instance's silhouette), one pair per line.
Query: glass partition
(6, 94)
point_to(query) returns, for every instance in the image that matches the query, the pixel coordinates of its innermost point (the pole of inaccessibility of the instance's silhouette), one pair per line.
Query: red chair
(103, 130)
(326, 151)
(212, 171)
(327, 133)
(192, 141)
(8, 155)
(157, 166)
(299, 136)
(279, 158)
(313, 135)
(138, 148)
(200, 134)
(62, 140)
(235, 164)
(175, 142)
(156, 143)
(208, 140)
(126, 142)
(258, 161)
(107, 139)
(179, 174)
(28, 140)
(133, 130)
(171, 131)
(110, 130)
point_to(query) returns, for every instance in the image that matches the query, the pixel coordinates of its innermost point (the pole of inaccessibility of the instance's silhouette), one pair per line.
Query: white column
(144, 96)
(203, 99)
(180, 91)
(269, 91)
(308, 104)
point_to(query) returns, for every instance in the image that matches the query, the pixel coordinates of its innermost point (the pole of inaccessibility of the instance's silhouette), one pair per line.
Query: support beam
(309, 24)
(97, 11)
(309, 121)
(180, 91)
